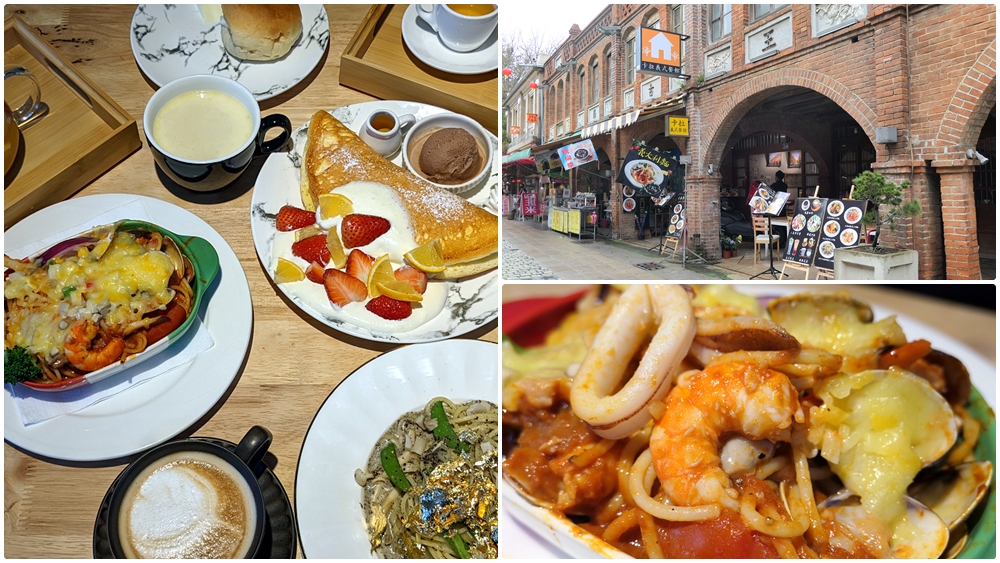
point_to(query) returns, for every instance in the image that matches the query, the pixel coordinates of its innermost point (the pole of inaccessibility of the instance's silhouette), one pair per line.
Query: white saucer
(426, 46)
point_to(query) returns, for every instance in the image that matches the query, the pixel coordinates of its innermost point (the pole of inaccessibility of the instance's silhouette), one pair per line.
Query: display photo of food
(656, 466)
(849, 237)
(826, 249)
(816, 204)
(798, 222)
(758, 204)
(853, 215)
(831, 228)
(835, 208)
(813, 224)
(643, 172)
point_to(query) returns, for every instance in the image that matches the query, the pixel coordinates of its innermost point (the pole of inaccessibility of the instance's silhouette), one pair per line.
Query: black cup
(247, 461)
(205, 176)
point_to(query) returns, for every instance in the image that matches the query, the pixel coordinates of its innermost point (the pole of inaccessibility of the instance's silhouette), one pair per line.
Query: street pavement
(532, 252)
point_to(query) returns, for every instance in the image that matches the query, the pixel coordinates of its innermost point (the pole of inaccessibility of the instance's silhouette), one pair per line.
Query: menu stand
(771, 270)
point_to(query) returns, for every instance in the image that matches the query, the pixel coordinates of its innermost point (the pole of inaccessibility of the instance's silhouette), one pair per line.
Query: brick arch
(775, 122)
(968, 110)
(760, 87)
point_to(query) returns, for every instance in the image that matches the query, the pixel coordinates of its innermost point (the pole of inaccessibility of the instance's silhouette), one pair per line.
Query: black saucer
(279, 532)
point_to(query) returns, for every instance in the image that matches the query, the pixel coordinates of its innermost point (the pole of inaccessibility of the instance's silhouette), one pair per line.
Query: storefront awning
(517, 157)
(610, 125)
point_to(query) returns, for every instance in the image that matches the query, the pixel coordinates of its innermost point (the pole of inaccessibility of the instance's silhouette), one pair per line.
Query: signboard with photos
(804, 229)
(576, 154)
(841, 229)
(676, 226)
(651, 173)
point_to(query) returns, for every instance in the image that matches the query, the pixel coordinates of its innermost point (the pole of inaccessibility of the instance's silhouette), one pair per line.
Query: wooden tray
(84, 134)
(376, 62)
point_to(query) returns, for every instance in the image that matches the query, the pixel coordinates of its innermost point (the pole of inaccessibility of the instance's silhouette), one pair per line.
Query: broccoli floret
(18, 366)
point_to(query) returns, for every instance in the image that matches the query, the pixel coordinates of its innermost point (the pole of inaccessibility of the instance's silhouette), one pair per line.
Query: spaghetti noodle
(430, 486)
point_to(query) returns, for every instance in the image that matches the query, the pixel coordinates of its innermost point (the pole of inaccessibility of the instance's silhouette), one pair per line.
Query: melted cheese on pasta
(119, 286)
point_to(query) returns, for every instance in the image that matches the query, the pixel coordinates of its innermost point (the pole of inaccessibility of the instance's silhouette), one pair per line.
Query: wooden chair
(762, 236)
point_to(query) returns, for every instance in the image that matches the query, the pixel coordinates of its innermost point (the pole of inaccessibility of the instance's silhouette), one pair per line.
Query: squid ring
(641, 310)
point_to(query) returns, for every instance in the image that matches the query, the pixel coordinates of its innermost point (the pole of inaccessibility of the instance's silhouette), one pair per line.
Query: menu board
(841, 229)
(804, 229)
(676, 226)
(768, 202)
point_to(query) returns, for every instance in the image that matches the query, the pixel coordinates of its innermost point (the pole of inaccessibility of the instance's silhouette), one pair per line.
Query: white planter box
(855, 264)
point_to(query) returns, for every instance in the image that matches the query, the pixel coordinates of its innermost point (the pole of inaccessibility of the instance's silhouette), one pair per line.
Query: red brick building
(825, 81)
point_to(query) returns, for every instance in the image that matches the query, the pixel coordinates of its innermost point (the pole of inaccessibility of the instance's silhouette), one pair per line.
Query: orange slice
(306, 232)
(399, 290)
(334, 205)
(381, 272)
(337, 255)
(287, 272)
(427, 257)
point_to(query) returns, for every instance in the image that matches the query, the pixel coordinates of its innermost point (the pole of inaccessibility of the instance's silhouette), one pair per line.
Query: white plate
(170, 41)
(426, 46)
(353, 418)
(532, 532)
(474, 300)
(159, 409)
(657, 177)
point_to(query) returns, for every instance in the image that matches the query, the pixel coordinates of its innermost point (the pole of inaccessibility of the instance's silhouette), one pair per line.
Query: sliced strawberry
(414, 277)
(342, 288)
(314, 272)
(359, 264)
(291, 218)
(358, 230)
(389, 308)
(312, 249)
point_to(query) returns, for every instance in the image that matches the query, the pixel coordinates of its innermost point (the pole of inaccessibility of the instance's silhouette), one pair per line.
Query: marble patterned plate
(170, 41)
(470, 303)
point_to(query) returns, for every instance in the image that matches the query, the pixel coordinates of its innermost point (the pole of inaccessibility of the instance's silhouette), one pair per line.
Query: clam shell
(955, 492)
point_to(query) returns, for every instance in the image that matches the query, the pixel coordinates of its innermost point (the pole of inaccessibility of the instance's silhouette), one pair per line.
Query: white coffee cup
(459, 32)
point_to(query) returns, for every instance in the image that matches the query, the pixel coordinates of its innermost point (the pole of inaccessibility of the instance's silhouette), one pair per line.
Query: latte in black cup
(187, 504)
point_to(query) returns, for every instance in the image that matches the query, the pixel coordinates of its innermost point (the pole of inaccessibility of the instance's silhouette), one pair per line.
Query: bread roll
(260, 32)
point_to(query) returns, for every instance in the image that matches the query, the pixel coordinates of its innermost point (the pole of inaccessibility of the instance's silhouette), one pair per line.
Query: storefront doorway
(984, 184)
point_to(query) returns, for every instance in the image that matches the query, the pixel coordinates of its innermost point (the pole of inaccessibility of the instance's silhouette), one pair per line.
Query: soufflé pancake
(335, 156)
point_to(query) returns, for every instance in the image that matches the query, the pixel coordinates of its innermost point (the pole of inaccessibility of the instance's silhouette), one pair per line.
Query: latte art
(187, 505)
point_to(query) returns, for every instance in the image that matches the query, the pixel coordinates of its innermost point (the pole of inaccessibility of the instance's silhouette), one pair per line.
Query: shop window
(720, 21)
(595, 71)
(653, 19)
(630, 60)
(758, 11)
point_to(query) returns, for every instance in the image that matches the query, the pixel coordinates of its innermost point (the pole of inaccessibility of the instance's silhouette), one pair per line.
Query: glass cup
(33, 107)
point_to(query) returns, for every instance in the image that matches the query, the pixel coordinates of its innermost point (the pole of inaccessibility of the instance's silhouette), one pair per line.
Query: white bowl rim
(167, 90)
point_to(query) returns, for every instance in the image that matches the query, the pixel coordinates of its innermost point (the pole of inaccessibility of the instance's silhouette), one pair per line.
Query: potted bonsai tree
(885, 206)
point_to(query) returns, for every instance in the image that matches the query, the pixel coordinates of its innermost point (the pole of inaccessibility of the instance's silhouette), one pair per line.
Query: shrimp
(640, 310)
(90, 349)
(743, 398)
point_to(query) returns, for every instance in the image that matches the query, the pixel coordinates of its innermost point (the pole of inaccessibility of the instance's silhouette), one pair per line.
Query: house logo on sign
(659, 52)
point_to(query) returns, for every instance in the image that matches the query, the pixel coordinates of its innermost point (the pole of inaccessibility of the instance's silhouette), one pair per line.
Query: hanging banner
(804, 229)
(529, 204)
(652, 173)
(506, 205)
(576, 154)
(515, 129)
(547, 161)
(659, 52)
(532, 118)
(842, 229)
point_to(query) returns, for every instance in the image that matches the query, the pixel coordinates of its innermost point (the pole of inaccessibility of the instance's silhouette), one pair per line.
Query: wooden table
(293, 362)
